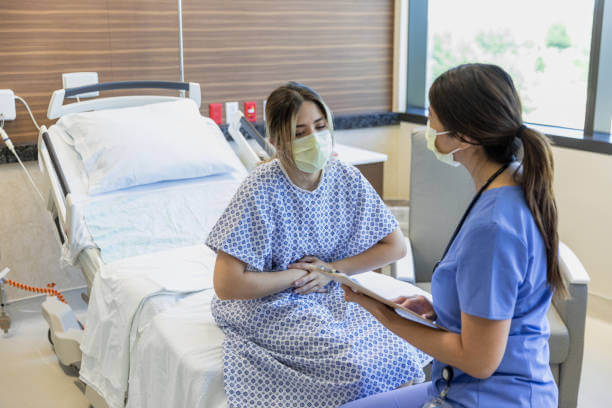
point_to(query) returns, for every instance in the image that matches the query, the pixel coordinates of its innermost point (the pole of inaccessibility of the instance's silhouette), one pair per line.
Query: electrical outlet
(250, 111)
(76, 79)
(7, 105)
(215, 111)
(231, 109)
(263, 111)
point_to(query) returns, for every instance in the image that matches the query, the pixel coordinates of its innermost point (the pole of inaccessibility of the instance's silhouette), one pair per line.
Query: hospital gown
(315, 350)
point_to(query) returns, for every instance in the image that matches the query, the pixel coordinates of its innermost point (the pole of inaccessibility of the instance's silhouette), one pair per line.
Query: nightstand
(371, 164)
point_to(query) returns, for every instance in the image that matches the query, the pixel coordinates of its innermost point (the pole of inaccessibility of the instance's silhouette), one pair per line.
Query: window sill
(561, 137)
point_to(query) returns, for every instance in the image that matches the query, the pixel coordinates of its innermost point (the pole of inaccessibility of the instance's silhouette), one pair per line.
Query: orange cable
(48, 290)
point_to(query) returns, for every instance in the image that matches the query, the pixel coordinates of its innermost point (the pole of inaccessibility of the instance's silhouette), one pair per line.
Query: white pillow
(127, 147)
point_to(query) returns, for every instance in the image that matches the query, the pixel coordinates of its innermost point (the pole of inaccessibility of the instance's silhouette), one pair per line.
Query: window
(558, 53)
(544, 45)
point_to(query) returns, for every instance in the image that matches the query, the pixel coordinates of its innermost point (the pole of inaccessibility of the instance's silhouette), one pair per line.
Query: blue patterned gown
(316, 350)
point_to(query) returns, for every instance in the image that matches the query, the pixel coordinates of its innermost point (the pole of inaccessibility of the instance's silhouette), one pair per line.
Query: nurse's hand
(380, 311)
(313, 281)
(418, 304)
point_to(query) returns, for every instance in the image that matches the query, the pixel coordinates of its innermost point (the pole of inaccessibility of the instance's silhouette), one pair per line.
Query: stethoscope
(447, 371)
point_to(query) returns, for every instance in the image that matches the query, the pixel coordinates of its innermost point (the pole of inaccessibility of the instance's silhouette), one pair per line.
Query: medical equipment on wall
(9, 144)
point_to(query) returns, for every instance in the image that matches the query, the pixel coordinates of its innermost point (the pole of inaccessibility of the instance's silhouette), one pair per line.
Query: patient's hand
(418, 304)
(313, 281)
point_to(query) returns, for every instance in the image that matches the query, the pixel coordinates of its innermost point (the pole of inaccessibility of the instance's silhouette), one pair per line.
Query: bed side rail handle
(110, 86)
(57, 108)
(55, 163)
(253, 133)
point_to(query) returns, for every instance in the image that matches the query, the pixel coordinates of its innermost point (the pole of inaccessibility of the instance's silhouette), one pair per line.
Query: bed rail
(60, 194)
(254, 134)
(58, 109)
(55, 163)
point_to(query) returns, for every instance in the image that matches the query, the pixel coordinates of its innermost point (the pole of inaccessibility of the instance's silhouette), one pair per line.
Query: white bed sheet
(178, 358)
(221, 187)
(125, 298)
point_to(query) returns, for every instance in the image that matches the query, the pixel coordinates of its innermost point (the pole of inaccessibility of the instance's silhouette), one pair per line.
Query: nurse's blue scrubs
(495, 269)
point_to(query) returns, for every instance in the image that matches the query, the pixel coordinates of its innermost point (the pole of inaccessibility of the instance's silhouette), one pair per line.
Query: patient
(290, 336)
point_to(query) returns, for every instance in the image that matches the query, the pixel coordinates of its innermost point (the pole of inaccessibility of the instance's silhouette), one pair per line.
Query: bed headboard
(58, 109)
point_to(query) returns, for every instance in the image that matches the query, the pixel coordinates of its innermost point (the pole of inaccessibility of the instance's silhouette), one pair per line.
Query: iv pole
(180, 27)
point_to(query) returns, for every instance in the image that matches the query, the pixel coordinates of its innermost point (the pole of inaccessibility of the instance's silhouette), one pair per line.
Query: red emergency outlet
(250, 111)
(215, 111)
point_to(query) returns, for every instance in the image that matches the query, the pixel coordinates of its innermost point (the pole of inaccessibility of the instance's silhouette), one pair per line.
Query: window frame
(596, 135)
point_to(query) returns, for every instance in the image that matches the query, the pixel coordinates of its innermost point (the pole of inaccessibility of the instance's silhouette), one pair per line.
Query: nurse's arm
(477, 350)
(387, 250)
(231, 280)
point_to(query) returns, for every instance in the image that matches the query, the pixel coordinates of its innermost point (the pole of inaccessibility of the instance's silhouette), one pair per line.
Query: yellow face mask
(447, 158)
(311, 152)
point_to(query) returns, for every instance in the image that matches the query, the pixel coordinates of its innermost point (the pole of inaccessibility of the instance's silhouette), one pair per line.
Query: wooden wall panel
(238, 50)
(121, 40)
(241, 50)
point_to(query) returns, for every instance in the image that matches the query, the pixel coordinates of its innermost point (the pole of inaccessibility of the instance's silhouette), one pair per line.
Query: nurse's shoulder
(514, 213)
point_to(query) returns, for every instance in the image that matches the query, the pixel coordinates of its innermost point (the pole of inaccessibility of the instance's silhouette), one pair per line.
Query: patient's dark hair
(481, 102)
(282, 108)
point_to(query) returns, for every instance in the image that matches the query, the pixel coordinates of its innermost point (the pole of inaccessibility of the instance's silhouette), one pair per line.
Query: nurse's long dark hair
(480, 101)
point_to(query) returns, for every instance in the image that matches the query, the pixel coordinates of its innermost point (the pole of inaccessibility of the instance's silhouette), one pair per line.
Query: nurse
(291, 339)
(494, 283)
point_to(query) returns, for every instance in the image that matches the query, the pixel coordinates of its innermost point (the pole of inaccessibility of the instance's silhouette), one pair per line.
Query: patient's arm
(232, 281)
(387, 250)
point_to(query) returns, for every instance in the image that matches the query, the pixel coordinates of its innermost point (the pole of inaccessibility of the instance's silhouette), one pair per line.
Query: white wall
(583, 187)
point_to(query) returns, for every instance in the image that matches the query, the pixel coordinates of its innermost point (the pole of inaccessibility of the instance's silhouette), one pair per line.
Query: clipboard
(400, 310)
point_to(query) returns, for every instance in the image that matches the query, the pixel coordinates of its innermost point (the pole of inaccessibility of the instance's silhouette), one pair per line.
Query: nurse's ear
(466, 141)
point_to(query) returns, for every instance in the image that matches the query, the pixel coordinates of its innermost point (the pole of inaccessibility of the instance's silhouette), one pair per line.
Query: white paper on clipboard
(385, 288)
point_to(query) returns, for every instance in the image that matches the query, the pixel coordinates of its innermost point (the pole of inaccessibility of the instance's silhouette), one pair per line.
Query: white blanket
(119, 306)
(145, 222)
(178, 360)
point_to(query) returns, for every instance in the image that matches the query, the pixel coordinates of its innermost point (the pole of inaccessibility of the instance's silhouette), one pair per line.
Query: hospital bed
(67, 177)
(70, 203)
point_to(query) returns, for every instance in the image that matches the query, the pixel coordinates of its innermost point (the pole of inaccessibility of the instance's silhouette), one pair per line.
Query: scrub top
(496, 269)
